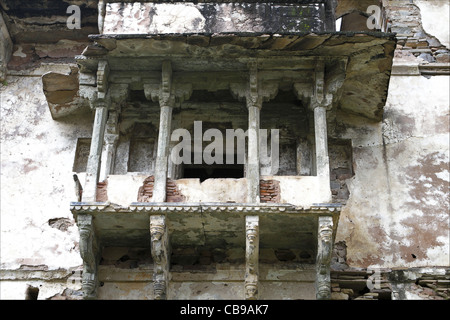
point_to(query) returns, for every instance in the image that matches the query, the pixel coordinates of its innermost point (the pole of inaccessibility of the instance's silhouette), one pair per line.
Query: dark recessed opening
(31, 293)
(204, 171)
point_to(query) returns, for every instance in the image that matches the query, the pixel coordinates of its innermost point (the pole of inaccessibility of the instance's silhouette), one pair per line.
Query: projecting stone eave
(367, 57)
(208, 223)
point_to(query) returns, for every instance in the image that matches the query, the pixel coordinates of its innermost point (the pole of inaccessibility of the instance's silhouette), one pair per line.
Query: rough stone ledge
(35, 274)
(377, 34)
(223, 1)
(77, 207)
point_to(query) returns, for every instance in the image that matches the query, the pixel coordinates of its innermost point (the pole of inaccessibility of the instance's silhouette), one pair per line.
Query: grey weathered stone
(6, 47)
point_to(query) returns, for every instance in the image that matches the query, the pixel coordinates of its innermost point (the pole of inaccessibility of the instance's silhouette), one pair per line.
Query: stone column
(162, 155)
(6, 47)
(111, 138)
(251, 257)
(323, 261)
(253, 153)
(254, 93)
(330, 17)
(90, 255)
(95, 154)
(321, 137)
(166, 102)
(110, 150)
(160, 253)
(168, 96)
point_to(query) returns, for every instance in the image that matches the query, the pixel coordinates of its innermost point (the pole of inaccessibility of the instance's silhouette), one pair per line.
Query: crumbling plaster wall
(432, 11)
(37, 153)
(397, 214)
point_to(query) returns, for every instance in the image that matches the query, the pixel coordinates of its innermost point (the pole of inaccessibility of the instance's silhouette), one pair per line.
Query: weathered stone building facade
(97, 95)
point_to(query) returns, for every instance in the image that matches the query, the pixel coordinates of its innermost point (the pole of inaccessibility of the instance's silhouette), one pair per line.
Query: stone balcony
(154, 64)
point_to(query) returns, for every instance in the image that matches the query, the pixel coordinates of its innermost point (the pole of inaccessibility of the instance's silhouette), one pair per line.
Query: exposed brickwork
(172, 192)
(385, 284)
(338, 184)
(405, 20)
(145, 192)
(269, 191)
(352, 285)
(102, 191)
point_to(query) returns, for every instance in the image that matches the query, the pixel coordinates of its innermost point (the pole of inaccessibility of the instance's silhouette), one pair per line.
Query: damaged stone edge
(76, 207)
(377, 34)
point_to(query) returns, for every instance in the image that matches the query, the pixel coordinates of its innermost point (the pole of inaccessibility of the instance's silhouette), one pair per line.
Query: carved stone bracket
(160, 254)
(89, 251)
(102, 78)
(255, 92)
(169, 93)
(251, 257)
(325, 89)
(324, 252)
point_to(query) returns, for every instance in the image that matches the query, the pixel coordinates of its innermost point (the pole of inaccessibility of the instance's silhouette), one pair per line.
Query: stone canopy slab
(219, 225)
(367, 57)
(181, 17)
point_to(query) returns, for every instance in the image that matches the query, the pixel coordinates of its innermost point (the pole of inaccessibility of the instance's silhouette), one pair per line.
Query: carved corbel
(324, 252)
(118, 94)
(160, 254)
(102, 78)
(89, 251)
(255, 92)
(168, 93)
(326, 87)
(320, 98)
(251, 257)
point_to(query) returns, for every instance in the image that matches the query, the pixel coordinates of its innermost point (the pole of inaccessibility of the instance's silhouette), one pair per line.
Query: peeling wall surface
(390, 176)
(211, 17)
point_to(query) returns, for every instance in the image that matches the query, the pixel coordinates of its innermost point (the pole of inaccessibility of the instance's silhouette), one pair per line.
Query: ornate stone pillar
(168, 95)
(89, 251)
(160, 253)
(321, 137)
(251, 257)
(254, 93)
(320, 103)
(162, 154)
(323, 261)
(253, 164)
(111, 138)
(95, 153)
(100, 104)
